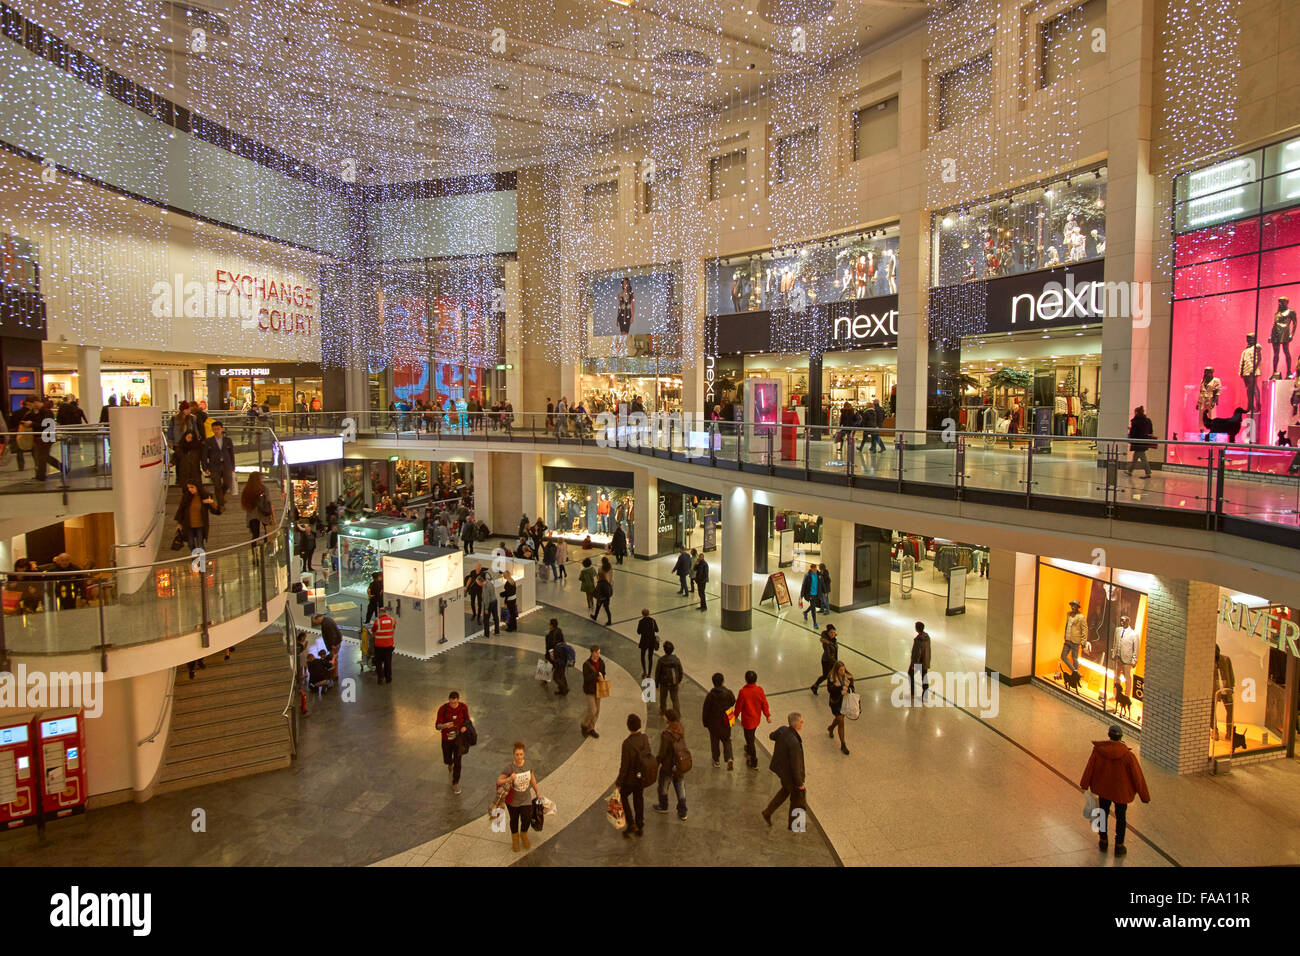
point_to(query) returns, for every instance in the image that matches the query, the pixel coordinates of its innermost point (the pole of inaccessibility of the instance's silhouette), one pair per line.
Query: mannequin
(1076, 243)
(1207, 397)
(1053, 257)
(626, 307)
(1224, 681)
(860, 278)
(1099, 239)
(1124, 654)
(1252, 357)
(1284, 323)
(891, 270)
(1076, 634)
(739, 289)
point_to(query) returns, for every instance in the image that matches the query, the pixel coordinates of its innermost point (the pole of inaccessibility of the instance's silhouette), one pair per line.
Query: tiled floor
(935, 785)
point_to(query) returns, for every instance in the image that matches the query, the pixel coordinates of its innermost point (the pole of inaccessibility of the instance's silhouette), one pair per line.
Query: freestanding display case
(424, 587)
(362, 544)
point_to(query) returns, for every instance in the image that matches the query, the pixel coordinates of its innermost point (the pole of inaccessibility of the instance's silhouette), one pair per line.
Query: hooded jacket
(667, 754)
(1113, 772)
(683, 565)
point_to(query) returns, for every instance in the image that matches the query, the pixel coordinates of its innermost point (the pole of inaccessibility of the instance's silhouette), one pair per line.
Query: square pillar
(483, 497)
(91, 395)
(644, 533)
(1009, 627)
(1178, 688)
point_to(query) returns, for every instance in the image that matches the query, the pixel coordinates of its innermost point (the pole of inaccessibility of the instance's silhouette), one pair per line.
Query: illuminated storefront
(1015, 308)
(819, 317)
(633, 319)
(1233, 347)
(1090, 634)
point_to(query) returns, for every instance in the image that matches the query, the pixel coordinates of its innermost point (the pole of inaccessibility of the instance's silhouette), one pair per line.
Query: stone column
(1009, 627)
(837, 553)
(737, 557)
(90, 394)
(645, 524)
(1178, 686)
(484, 500)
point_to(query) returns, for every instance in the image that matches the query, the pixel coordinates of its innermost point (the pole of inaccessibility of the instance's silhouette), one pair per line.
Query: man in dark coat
(219, 462)
(787, 764)
(716, 704)
(920, 655)
(683, 570)
(701, 580)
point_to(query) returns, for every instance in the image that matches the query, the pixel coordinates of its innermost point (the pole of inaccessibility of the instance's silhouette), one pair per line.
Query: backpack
(682, 762)
(645, 768)
(569, 653)
(662, 671)
(264, 506)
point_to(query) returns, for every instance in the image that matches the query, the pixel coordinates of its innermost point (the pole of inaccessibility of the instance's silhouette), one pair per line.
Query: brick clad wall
(1178, 686)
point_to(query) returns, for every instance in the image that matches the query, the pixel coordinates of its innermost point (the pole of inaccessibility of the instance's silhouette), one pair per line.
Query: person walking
(468, 532)
(618, 547)
(830, 654)
(810, 591)
(451, 717)
(824, 586)
(690, 572)
(510, 595)
(837, 685)
(307, 546)
(558, 653)
(192, 514)
(593, 670)
(787, 763)
(491, 608)
(561, 558)
(374, 595)
(604, 591)
(683, 570)
(648, 631)
(257, 506)
(751, 703)
(717, 715)
(1139, 427)
(674, 762)
(668, 678)
(474, 591)
(701, 581)
(921, 656)
(587, 582)
(520, 779)
(549, 553)
(383, 630)
(189, 459)
(631, 780)
(1115, 776)
(219, 460)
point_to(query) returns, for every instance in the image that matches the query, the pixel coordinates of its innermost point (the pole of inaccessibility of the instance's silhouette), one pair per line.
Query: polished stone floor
(940, 785)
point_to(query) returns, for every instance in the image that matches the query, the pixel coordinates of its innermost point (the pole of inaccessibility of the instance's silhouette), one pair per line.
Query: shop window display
(1234, 375)
(363, 543)
(1090, 636)
(1249, 674)
(839, 269)
(581, 511)
(1048, 225)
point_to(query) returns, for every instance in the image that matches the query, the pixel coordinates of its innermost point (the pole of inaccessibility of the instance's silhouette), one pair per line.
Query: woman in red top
(451, 717)
(750, 703)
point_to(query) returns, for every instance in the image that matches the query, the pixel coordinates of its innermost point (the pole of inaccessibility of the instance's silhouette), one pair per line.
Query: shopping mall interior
(357, 358)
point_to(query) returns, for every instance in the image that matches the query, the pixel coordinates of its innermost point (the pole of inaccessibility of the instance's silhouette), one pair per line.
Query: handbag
(851, 707)
(539, 811)
(542, 671)
(1090, 805)
(178, 542)
(602, 688)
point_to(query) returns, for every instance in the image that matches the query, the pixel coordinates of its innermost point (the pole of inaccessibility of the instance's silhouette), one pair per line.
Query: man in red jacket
(383, 629)
(1115, 776)
(750, 703)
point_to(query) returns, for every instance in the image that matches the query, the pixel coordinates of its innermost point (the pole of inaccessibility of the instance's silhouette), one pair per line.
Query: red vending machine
(17, 769)
(60, 747)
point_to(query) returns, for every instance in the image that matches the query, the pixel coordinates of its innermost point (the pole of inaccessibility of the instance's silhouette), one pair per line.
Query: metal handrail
(162, 714)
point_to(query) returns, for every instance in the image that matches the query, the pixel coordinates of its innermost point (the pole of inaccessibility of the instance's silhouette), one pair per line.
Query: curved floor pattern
(577, 783)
